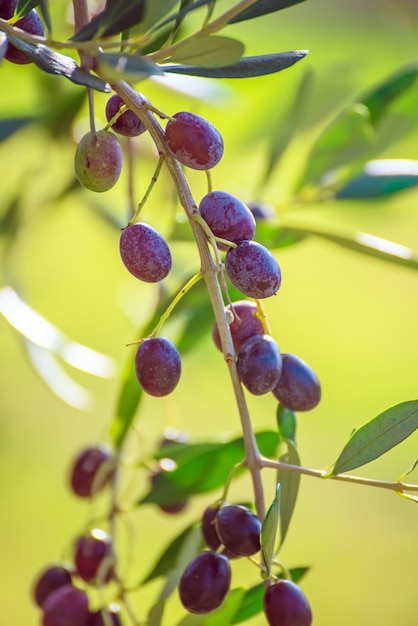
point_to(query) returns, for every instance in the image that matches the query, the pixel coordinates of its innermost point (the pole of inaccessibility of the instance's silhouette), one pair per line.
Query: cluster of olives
(30, 23)
(262, 367)
(61, 590)
(250, 267)
(230, 532)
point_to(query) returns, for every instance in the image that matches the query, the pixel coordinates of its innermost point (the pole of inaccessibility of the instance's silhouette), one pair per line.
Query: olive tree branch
(348, 478)
(210, 271)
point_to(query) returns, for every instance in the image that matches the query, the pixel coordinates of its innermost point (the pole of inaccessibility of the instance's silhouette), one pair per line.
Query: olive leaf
(55, 63)
(247, 67)
(289, 487)
(269, 530)
(377, 436)
(126, 67)
(263, 7)
(209, 52)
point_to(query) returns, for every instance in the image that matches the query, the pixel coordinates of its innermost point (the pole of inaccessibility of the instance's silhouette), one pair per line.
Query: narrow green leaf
(130, 395)
(368, 244)
(24, 6)
(127, 67)
(224, 615)
(186, 7)
(286, 421)
(209, 52)
(155, 11)
(169, 557)
(247, 67)
(269, 530)
(263, 7)
(381, 177)
(349, 137)
(378, 436)
(11, 125)
(55, 63)
(379, 98)
(198, 324)
(282, 132)
(202, 468)
(188, 550)
(289, 487)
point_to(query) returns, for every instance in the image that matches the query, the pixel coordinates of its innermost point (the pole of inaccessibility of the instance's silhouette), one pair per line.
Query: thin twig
(348, 478)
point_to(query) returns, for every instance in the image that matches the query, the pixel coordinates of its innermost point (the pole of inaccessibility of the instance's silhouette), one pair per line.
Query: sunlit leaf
(39, 331)
(246, 67)
(269, 530)
(202, 468)
(125, 66)
(378, 436)
(289, 487)
(381, 177)
(50, 370)
(263, 7)
(55, 63)
(209, 52)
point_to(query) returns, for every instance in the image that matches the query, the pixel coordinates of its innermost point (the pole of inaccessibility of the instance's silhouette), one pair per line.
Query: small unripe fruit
(98, 161)
(205, 582)
(194, 141)
(285, 604)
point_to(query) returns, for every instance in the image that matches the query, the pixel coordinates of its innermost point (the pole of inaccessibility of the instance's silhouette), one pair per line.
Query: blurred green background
(353, 318)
